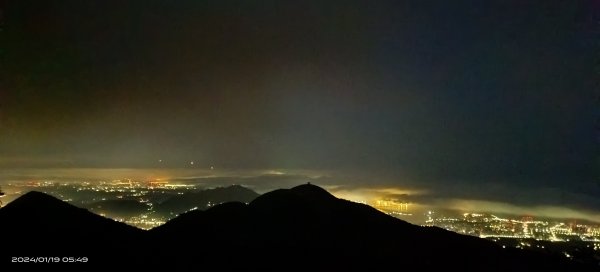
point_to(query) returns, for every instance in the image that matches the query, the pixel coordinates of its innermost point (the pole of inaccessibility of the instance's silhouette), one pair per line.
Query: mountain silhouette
(42, 225)
(204, 199)
(302, 228)
(309, 228)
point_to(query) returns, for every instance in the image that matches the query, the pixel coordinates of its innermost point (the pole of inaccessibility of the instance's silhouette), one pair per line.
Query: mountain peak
(306, 193)
(35, 199)
(36, 194)
(311, 191)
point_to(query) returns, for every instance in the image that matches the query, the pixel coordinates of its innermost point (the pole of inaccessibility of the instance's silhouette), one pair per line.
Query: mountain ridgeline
(201, 200)
(304, 227)
(174, 204)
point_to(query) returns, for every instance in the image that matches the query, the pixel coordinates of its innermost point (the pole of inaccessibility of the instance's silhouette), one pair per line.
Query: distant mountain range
(173, 205)
(204, 199)
(288, 229)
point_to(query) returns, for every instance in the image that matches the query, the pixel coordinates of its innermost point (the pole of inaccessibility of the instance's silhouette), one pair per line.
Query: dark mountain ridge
(37, 224)
(204, 199)
(288, 229)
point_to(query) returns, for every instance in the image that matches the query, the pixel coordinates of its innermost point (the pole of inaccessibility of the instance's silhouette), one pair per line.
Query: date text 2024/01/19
(49, 259)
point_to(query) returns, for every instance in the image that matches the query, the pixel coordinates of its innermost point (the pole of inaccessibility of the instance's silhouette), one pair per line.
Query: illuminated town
(144, 204)
(147, 194)
(134, 201)
(574, 240)
(489, 225)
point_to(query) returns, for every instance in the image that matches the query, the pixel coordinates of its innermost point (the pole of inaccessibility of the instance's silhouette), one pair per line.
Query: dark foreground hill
(37, 224)
(290, 229)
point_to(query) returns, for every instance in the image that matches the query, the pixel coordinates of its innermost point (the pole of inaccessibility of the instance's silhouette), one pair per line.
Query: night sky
(476, 99)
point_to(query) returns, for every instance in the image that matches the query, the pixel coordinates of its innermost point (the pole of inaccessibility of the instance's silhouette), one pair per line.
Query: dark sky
(475, 92)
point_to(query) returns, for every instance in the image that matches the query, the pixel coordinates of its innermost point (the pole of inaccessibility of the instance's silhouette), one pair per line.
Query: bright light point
(192, 163)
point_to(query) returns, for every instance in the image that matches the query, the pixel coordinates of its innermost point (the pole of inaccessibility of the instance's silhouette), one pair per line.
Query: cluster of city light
(475, 224)
(391, 207)
(489, 225)
(143, 222)
(107, 190)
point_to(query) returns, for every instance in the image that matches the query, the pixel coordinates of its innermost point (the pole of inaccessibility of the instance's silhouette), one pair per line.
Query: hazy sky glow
(486, 100)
